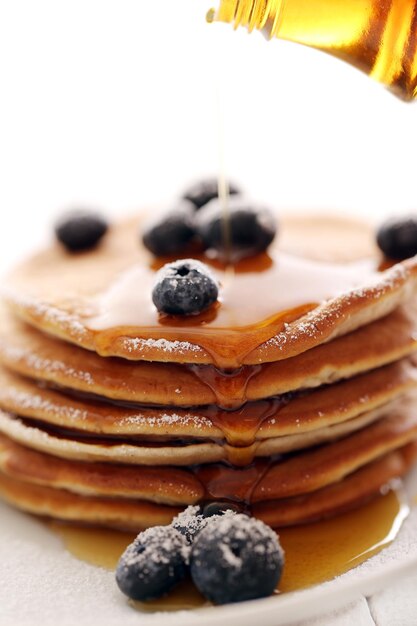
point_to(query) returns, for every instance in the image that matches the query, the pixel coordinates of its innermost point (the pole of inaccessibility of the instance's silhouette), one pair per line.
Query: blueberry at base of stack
(153, 564)
(231, 558)
(236, 558)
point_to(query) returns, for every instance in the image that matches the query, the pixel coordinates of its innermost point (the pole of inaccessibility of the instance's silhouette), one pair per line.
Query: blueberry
(249, 230)
(184, 287)
(217, 508)
(80, 230)
(205, 190)
(194, 519)
(236, 558)
(153, 564)
(189, 522)
(397, 237)
(170, 233)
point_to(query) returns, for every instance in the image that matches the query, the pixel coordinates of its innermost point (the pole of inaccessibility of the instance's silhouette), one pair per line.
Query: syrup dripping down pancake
(36, 355)
(101, 300)
(53, 422)
(68, 444)
(265, 479)
(291, 414)
(312, 469)
(136, 515)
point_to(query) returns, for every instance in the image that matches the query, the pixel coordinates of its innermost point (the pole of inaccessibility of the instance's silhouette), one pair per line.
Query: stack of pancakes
(293, 397)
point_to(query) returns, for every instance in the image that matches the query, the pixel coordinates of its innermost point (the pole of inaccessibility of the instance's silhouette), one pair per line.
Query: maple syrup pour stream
(259, 295)
(314, 553)
(222, 183)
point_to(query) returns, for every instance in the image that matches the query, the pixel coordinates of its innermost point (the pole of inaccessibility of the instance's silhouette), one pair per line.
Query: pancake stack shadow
(310, 427)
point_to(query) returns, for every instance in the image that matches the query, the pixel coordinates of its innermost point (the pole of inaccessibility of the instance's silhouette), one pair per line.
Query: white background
(113, 104)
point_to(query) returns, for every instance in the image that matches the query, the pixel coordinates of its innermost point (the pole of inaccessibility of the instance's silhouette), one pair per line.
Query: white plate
(41, 583)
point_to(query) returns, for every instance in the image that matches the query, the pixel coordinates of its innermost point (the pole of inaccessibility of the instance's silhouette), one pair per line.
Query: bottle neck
(264, 15)
(377, 36)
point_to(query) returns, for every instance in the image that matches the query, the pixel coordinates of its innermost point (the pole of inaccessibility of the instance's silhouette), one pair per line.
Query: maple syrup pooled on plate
(314, 553)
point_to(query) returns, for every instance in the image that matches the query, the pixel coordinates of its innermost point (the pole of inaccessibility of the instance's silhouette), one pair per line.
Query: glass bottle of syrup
(377, 36)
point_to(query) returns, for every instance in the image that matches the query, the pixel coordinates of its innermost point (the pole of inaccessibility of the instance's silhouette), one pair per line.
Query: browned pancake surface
(96, 431)
(265, 479)
(339, 497)
(168, 485)
(31, 353)
(61, 293)
(68, 444)
(276, 417)
(136, 515)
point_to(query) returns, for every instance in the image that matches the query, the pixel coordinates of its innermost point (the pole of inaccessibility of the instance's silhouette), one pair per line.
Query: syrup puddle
(315, 553)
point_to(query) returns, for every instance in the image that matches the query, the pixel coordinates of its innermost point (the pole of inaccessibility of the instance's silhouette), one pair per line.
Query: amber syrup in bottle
(377, 36)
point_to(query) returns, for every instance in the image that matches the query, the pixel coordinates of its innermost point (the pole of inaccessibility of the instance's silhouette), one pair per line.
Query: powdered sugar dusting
(35, 402)
(168, 419)
(51, 314)
(229, 557)
(235, 535)
(190, 521)
(38, 403)
(29, 435)
(137, 344)
(136, 454)
(158, 545)
(310, 325)
(35, 363)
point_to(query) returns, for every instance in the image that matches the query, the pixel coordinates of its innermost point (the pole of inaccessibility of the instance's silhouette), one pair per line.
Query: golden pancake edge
(111, 414)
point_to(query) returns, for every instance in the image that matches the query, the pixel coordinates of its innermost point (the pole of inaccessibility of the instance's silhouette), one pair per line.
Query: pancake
(136, 515)
(332, 462)
(166, 485)
(70, 445)
(343, 496)
(34, 354)
(112, 414)
(265, 479)
(101, 299)
(312, 469)
(292, 414)
(116, 513)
